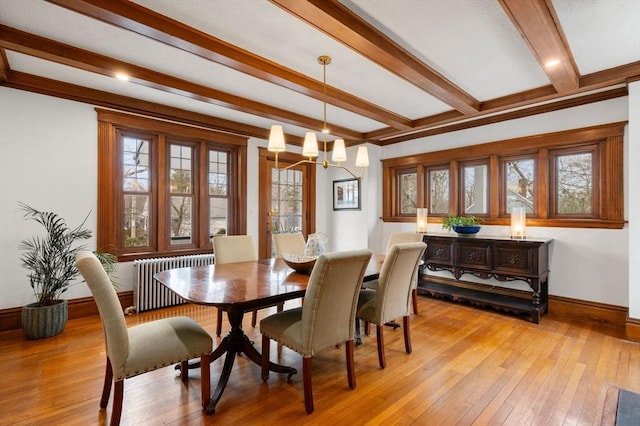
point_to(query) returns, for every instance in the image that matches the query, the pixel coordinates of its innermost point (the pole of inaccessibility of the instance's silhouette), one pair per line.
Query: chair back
(397, 275)
(234, 248)
(331, 299)
(291, 243)
(114, 325)
(403, 237)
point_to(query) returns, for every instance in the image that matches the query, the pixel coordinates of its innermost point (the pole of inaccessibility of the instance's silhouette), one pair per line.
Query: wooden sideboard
(501, 258)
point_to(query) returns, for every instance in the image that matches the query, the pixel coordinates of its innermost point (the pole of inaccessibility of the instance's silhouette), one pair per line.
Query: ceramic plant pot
(39, 322)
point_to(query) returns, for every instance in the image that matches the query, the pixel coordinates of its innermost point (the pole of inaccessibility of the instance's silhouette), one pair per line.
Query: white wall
(48, 159)
(48, 155)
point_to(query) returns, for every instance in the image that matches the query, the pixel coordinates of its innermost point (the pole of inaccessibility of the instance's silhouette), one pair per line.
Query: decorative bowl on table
(466, 229)
(301, 264)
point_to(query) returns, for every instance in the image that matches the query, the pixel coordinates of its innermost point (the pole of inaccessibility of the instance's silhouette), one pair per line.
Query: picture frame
(346, 194)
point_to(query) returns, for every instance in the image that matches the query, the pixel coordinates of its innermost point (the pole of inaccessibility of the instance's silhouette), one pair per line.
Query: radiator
(148, 293)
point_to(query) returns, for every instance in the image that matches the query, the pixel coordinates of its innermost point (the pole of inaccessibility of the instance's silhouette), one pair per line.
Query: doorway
(287, 198)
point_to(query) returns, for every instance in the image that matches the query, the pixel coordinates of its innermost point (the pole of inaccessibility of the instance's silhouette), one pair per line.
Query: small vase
(39, 322)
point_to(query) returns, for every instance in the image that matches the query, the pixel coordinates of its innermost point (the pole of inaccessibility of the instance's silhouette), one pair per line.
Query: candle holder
(421, 215)
(518, 223)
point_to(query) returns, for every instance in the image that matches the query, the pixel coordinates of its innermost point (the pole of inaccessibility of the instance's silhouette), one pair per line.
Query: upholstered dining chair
(397, 238)
(144, 347)
(231, 249)
(292, 243)
(392, 297)
(326, 318)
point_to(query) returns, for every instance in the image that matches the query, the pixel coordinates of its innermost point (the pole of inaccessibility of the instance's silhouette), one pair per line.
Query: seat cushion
(285, 327)
(164, 342)
(367, 306)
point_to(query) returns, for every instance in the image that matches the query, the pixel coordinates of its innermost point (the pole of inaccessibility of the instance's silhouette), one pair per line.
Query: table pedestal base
(236, 342)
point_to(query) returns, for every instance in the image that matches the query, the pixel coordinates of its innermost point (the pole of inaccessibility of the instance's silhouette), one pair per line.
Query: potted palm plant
(50, 261)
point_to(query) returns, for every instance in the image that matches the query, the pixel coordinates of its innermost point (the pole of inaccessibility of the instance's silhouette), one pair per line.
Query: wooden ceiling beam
(50, 50)
(538, 24)
(339, 22)
(135, 18)
(4, 65)
(509, 115)
(589, 82)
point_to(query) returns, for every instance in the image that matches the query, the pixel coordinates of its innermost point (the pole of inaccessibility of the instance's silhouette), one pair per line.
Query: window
(408, 190)
(558, 177)
(519, 179)
(165, 188)
(438, 185)
(573, 182)
(475, 189)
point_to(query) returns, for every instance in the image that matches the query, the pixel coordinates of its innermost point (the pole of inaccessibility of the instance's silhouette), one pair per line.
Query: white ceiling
(473, 44)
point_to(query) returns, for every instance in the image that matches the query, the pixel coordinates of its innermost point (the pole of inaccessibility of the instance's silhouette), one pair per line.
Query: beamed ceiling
(401, 69)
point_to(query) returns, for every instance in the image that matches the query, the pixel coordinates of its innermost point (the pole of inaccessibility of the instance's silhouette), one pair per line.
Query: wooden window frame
(594, 150)
(502, 187)
(427, 186)
(608, 176)
(110, 123)
(460, 190)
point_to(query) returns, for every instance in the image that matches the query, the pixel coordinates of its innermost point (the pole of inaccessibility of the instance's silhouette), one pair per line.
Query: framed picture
(346, 194)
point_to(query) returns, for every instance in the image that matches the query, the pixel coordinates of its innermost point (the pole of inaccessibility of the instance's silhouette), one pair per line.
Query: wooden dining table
(237, 288)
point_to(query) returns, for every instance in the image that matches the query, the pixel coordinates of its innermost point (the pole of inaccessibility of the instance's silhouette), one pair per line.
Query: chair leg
(306, 380)
(118, 394)
(266, 346)
(414, 299)
(351, 370)
(184, 371)
(358, 332)
(380, 339)
(254, 317)
(367, 328)
(106, 388)
(219, 323)
(205, 379)
(407, 334)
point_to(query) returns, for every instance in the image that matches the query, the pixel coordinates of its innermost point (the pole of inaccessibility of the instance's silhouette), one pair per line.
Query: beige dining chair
(231, 249)
(144, 347)
(397, 238)
(392, 297)
(291, 243)
(326, 318)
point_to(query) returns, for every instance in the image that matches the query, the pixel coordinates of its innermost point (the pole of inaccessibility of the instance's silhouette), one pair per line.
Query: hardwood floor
(468, 366)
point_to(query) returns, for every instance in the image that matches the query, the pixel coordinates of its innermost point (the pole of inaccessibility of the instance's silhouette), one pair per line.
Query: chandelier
(310, 146)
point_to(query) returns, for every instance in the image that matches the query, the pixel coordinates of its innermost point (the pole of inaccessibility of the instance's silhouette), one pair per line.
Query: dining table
(241, 287)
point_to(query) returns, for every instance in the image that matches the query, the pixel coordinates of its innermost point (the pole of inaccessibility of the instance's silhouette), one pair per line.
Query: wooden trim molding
(11, 319)
(632, 329)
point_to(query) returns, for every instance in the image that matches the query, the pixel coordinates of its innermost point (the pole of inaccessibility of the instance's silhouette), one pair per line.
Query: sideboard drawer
(514, 260)
(476, 256)
(439, 252)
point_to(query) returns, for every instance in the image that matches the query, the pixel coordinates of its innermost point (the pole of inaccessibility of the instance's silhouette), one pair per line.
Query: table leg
(236, 342)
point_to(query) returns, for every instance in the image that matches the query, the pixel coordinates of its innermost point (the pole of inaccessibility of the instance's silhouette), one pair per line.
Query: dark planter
(39, 322)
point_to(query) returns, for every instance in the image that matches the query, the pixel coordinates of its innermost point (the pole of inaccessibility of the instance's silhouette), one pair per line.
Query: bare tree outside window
(136, 175)
(519, 179)
(408, 192)
(218, 192)
(574, 177)
(439, 191)
(181, 190)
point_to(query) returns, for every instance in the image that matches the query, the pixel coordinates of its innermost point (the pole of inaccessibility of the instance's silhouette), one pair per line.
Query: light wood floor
(468, 366)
